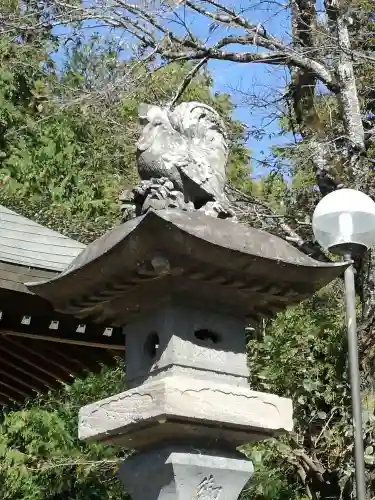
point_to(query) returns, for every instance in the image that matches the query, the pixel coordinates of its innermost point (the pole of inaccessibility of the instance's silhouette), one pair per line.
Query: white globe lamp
(344, 223)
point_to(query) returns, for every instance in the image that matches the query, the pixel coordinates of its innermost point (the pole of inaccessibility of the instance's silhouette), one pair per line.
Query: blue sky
(260, 79)
(242, 80)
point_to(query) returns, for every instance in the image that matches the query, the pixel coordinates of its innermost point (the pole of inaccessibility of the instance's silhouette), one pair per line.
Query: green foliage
(273, 189)
(312, 360)
(66, 148)
(302, 355)
(272, 479)
(59, 163)
(41, 457)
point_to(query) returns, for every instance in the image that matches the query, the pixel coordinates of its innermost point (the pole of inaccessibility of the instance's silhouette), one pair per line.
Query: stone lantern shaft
(198, 350)
(188, 407)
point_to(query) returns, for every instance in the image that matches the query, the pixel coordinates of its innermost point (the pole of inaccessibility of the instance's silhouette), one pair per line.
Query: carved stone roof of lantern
(185, 256)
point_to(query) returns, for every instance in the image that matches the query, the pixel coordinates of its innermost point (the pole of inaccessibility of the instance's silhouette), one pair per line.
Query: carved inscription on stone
(208, 489)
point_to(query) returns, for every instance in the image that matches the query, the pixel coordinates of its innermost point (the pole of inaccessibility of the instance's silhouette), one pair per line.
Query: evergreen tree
(69, 139)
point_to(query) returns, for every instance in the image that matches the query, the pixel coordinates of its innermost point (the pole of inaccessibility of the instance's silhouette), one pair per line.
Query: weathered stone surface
(153, 194)
(141, 265)
(185, 474)
(182, 336)
(160, 194)
(236, 414)
(188, 146)
(182, 157)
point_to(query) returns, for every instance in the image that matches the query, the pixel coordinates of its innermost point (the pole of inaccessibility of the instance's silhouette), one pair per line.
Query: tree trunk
(347, 95)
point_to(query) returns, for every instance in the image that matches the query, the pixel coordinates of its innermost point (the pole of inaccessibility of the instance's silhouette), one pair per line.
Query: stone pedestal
(188, 377)
(188, 408)
(178, 473)
(185, 286)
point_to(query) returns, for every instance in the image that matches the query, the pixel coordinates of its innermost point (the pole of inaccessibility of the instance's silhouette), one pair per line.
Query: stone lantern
(184, 286)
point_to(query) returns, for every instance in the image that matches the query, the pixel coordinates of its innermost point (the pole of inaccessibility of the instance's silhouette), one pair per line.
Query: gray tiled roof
(27, 243)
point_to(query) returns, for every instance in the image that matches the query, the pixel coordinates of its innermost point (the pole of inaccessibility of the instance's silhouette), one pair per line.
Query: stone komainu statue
(181, 157)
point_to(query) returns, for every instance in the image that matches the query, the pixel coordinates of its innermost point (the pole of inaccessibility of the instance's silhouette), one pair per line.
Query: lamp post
(344, 224)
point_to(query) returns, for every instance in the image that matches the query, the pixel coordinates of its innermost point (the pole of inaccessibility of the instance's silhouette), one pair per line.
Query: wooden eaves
(40, 348)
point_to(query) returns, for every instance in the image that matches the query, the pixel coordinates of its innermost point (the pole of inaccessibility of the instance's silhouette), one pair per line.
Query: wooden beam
(20, 381)
(98, 345)
(8, 396)
(4, 399)
(47, 360)
(13, 388)
(28, 373)
(29, 364)
(70, 355)
(27, 361)
(61, 351)
(77, 359)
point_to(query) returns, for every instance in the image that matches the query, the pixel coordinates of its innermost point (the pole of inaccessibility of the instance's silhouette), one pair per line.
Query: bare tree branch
(185, 83)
